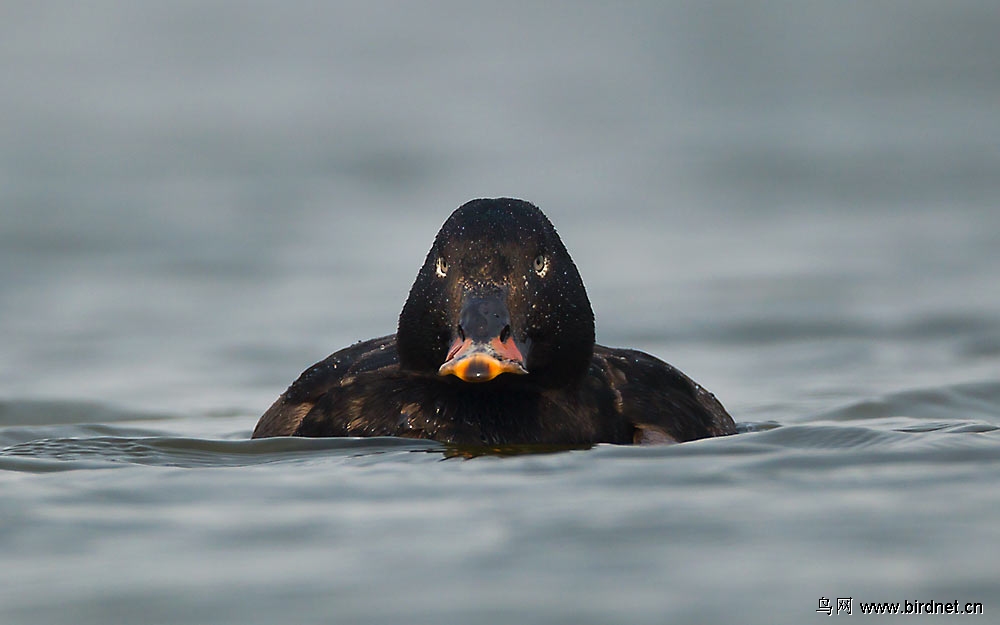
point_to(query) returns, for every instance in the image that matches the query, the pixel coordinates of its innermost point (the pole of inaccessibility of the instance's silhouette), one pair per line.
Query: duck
(495, 346)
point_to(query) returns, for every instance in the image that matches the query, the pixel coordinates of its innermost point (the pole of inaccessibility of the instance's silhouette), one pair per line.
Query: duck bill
(472, 361)
(484, 345)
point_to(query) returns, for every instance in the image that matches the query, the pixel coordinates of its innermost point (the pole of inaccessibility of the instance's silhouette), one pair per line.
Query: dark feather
(500, 303)
(627, 396)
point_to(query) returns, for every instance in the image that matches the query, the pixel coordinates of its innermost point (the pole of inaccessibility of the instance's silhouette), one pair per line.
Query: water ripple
(109, 451)
(53, 436)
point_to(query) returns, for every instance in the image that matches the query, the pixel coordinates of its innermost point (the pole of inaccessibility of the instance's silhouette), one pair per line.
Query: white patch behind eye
(441, 267)
(541, 265)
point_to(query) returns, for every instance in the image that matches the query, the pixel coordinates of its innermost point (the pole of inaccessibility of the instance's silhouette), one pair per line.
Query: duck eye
(541, 264)
(441, 267)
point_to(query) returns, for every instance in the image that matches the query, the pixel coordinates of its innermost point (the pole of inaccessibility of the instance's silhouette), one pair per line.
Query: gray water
(795, 203)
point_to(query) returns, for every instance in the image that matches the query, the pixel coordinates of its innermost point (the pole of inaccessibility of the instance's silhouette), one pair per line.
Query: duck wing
(662, 404)
(285, 416)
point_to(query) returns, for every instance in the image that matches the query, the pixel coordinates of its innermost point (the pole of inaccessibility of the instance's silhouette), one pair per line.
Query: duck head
(498, 297)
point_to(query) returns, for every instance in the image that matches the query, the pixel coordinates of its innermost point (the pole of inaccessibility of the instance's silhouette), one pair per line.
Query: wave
(955, 422)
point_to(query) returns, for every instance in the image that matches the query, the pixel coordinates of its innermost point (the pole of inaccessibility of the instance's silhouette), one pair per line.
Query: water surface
(796, 204)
